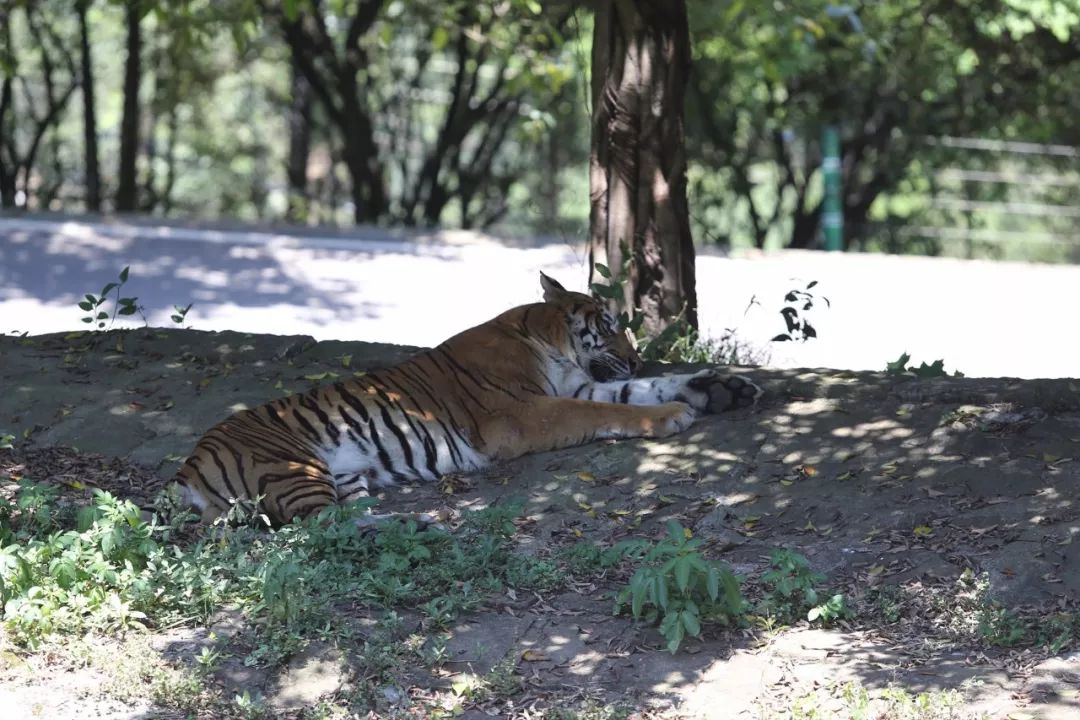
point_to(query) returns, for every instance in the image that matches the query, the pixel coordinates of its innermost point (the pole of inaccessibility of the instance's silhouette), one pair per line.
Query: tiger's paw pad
(724, 392)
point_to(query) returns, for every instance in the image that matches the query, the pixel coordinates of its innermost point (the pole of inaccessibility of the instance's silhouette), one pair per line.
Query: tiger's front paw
(674, 418)
(717, 392)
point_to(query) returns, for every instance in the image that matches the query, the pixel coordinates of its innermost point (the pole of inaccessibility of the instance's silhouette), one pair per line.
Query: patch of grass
(852, 701)
(965, 611)
(791, 592)
(105, 568)
(591, 710)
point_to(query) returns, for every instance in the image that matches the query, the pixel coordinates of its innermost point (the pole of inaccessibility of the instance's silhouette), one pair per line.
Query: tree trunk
(90, 144)
(127, 188)
(639, 214)
(299, 144)
(9, 164)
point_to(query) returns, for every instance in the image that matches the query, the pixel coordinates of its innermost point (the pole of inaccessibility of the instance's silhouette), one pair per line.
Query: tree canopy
(478, 115)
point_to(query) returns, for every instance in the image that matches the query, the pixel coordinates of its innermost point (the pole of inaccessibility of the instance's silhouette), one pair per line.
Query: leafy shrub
(681, 588)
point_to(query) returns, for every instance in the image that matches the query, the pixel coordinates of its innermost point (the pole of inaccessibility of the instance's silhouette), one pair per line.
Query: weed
(93, 304)
(585, 559)
(6, 441)
(852, 701)
(1000, 626)
(679, 587)
(935, 369)
(797, 303)
(791, 591)
(179, 315)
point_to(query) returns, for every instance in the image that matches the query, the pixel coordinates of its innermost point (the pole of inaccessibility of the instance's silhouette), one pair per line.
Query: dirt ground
(906, 493)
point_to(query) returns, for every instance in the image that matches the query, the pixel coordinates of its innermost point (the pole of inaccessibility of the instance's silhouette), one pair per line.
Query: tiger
(538, 377)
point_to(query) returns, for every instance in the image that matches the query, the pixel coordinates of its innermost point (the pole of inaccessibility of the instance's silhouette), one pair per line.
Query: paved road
(983, 318)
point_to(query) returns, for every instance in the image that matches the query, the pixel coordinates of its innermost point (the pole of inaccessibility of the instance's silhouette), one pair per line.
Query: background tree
(640, 226)
(35, 89)
(889, 74)
(127, 185)
(86, 84)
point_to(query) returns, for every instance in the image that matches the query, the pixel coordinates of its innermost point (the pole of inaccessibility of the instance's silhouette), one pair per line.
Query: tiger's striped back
(448, 409)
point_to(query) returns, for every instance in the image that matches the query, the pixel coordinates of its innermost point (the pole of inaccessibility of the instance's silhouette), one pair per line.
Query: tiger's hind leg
(549, 423)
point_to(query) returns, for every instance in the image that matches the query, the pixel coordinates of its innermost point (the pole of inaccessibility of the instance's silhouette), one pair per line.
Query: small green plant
(791, 591)
(1001, 627)
(6, 441)
(935, 369)
(681, 588)
(179, 315)
(93, 304)
(797, 303)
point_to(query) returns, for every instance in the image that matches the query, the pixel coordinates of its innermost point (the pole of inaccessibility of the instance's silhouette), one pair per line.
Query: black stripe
(580, 388)
(430, 454)
(354, 402)
(624, 394)
(312, 404)
(451, 443)
(224, 473)
(307, 427)
(209, 486)
(356, 431)
(406, 449)
(384, 457)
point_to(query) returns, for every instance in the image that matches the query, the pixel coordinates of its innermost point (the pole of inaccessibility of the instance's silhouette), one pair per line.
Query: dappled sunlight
(384, 288)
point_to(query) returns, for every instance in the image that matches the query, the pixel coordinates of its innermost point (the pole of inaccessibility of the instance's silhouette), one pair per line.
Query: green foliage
(935, 369)
(768, 77)
(682, 589)
(791, 591)
(853, 701)
(64, 571)
(797, 303)
(65, 580)
(179, 315)
(92, 304)
(6, 441)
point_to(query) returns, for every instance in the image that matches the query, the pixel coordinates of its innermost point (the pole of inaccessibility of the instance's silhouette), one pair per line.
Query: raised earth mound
(944, 511)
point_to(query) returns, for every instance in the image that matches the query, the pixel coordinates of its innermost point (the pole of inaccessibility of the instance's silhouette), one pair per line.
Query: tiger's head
(600, 347)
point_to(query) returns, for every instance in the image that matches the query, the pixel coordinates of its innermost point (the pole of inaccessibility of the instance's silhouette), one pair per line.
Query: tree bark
(299, 143)
(90, 143)
(639, 215)
(127, 187)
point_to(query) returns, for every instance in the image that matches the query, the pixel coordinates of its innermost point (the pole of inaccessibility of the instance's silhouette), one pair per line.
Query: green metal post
(832, 219)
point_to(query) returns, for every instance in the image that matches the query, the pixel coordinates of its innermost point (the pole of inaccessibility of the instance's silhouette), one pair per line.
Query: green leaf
(86, 306)
(712, 582)
(682, 574)
(691, 622)
(603, 270)
(127, 310)
(440, 38)
(124, 274)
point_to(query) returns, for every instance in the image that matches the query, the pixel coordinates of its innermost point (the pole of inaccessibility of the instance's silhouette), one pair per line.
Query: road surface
(982, 318)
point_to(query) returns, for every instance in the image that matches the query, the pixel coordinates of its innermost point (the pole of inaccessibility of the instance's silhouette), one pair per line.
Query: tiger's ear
(553, 290)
